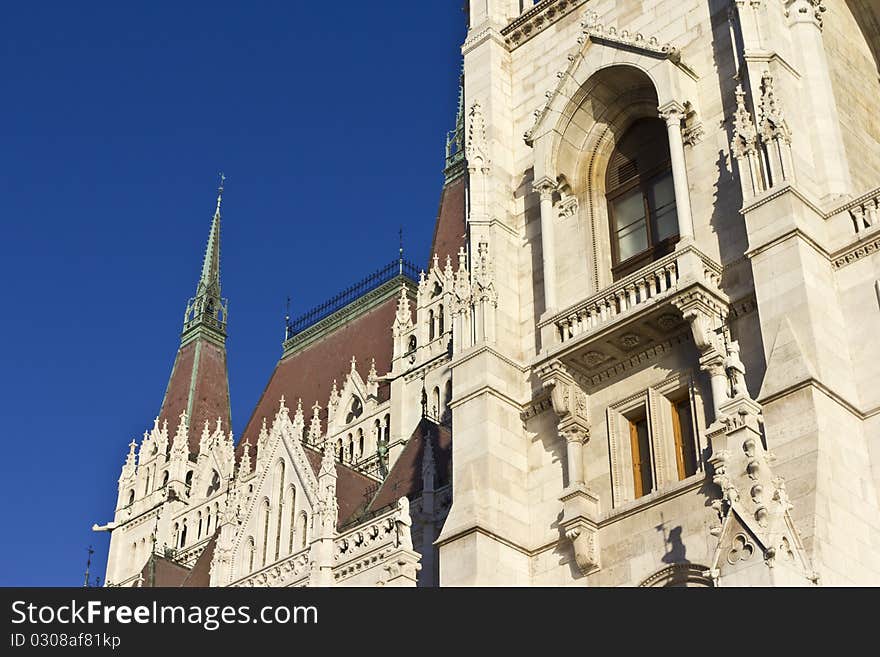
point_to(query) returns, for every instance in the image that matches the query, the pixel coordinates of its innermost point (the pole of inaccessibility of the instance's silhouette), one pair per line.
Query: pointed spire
(207, 309)
(210, 278)
(315, 426)
(244, 467)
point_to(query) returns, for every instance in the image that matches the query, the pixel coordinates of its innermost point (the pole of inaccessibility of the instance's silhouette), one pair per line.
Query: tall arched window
(147, 484)
(436, 400)
(265, 549)
(130, 497)
(164, 479)
(350, 450)
(199, 532)
(430, 325)
(360, 453)
(279, 473)
(303, 529)
(183, 534)
(208, 521)
(291, 544)
(387, 428)
(249, 555)
(641, 197)
(339, 449)
(440, 319)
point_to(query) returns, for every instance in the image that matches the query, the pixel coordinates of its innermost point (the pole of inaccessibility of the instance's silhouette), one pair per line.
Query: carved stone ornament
(569, 402)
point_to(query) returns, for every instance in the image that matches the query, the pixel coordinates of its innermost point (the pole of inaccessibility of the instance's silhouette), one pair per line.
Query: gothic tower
(194, 419)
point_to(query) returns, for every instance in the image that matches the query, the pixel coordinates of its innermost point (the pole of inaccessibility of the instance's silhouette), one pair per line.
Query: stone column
(580, 505)
(673, 113)
(545, 188)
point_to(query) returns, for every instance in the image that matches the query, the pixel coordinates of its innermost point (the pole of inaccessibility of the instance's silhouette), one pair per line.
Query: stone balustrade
(864, 211)
(635, 292)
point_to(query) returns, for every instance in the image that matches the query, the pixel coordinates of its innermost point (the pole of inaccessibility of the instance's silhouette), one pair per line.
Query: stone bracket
(580, 509)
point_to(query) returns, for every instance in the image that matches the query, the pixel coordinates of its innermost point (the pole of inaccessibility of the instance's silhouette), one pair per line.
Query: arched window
(291, 543)
(130, 497)
(440, 326)
(265, 549)
(208, 521)
(303, 529)
(350, 450)
(360, 453)
(387, 428)
(447, 397)
(641, 197)
(175, 534)
(249, 555)
(430, 325)
(411, 346)
(199, 530)
(279, 473)
(164, 479)
(188, 481)
(183, 534)
(436, 400)
(147, 484)
(339, 449)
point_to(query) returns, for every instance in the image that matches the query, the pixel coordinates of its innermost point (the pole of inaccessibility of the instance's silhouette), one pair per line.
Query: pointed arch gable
(557, 122)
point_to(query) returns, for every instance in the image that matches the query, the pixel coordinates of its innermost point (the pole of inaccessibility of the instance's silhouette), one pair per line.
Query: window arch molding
(593, 105)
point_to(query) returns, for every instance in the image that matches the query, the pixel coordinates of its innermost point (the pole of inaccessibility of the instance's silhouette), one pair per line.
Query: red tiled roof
(309, 374)
(200, 575)
(353, 489)
(405, 477)
(209, 387)
(449, 231)
(166, 572)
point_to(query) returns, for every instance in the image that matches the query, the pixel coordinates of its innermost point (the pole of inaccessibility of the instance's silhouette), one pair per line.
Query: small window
(683, 432)
(640, 446)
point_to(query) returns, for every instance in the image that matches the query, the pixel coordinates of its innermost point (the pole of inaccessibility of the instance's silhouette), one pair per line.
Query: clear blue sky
(328, 120)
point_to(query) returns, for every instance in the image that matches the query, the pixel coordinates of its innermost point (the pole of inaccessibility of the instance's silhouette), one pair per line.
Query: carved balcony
(634, 318)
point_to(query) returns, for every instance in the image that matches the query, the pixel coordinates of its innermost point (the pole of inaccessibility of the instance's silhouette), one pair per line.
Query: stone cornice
(839, 399)
(865, 247)
(536, 19)
(775, 192)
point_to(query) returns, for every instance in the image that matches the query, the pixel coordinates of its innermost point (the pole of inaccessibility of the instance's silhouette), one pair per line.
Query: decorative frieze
(536, 19)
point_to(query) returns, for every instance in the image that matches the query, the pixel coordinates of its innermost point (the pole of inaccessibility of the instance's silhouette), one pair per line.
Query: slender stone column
(673, 113)
(545, 187)
(575, 452)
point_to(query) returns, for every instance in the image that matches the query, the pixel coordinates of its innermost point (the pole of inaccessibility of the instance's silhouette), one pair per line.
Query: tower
(172, 460)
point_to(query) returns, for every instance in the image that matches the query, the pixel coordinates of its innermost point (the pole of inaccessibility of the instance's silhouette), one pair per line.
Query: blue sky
(328, 120)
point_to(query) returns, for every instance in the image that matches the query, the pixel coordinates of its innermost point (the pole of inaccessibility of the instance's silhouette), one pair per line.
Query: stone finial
(744, 133)
(205, 439)
(772, 124)
(244, 466)
(476, 148)
(179, 446)
(315, 426)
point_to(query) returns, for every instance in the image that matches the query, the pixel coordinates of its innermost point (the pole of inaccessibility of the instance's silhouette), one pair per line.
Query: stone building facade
(641, 354)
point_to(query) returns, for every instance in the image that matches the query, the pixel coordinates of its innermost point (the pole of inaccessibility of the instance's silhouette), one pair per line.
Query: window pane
(683, 430)
(643, 480)
(662, 204)
(629, 222)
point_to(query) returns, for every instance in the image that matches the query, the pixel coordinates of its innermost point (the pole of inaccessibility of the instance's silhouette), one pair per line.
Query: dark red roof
(450, 230)
(200, 575)
(166, 573)
(405, 477)
(309, 374)
(353, 489)
(208, 386)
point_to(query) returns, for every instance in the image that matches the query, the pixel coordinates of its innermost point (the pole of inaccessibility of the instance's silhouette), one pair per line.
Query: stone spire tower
(199, 383)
